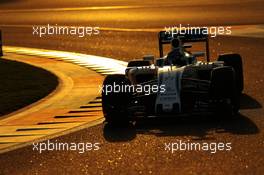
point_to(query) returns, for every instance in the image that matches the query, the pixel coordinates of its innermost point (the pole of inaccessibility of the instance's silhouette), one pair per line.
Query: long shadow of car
(198, 127)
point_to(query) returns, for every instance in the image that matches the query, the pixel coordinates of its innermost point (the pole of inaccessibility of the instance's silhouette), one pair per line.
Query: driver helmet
(175, 43)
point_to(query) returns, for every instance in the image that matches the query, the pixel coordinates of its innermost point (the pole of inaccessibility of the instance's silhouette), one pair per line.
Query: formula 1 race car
(151, 87)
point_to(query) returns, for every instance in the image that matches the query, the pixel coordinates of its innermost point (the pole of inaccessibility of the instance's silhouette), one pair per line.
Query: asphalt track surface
(140, 149)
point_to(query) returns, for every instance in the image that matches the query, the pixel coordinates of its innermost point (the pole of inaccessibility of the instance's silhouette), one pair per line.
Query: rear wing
(187, 36)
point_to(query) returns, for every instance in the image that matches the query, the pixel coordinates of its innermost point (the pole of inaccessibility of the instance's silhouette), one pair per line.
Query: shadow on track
(198, 127)
(248, 102)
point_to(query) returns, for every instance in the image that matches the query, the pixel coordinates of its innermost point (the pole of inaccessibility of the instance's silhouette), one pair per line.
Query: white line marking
(72, 9)
(108, 65)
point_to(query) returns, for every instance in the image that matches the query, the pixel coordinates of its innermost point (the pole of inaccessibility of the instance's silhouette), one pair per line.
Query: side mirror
(198, 54)
(149, 58)
(187, 46)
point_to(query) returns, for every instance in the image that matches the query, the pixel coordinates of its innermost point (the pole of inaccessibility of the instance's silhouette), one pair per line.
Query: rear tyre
(224, 91)
(235, 61)
(115, 101)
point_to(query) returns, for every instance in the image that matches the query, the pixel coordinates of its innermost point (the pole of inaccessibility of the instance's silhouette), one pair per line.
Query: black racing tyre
(223, 86)
(235, 61)
(114, 102)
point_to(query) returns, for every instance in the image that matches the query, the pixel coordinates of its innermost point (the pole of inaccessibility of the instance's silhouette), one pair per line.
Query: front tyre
(235, 61)
(224, 91)
(115, 99)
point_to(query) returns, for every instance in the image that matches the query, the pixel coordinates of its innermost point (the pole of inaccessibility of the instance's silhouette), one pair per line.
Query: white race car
(153, 88)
